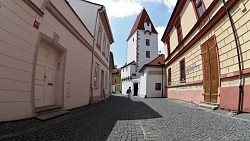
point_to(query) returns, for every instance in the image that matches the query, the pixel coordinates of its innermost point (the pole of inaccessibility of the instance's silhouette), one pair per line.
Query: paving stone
(138, 120)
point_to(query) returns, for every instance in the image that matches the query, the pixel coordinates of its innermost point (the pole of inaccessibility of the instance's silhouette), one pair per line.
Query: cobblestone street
(138, 119)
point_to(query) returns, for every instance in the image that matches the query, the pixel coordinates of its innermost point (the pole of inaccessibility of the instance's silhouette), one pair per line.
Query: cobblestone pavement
(138, 119)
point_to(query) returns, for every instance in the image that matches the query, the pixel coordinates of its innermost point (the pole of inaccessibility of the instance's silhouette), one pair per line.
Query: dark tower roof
(139, 23)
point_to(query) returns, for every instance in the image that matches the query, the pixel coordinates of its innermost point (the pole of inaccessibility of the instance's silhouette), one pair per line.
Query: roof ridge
(139, 23)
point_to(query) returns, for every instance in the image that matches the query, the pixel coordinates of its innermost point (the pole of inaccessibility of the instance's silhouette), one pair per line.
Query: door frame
(44, 40)
(102, 91)
(137, 91)
(218, 64)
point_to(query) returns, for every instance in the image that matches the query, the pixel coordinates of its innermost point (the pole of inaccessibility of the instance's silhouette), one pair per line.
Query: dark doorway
(135, 89)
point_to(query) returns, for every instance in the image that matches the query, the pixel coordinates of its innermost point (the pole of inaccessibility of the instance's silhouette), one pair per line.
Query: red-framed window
(169, 76)
(179, 32)
(182, 71)
(199, 7)
(168, 47)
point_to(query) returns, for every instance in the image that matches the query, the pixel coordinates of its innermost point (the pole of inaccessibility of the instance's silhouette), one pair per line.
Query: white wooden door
(45, 76)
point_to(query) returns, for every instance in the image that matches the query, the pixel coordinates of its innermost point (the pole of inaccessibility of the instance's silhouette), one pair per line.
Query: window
(115, 81)
(147, 54)
(182, 71)
(168, 47)
(96, 75)
(147, 24)
(99, 37)
(158, 86)
(169, 76)
(104, 46)
(107, 56)
(106, 80)
(147, 42)
(199, 7)
(179, 32)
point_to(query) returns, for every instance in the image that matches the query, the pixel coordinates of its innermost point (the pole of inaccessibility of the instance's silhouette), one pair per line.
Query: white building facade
(96, 19)
(45, 57)
(142, 48)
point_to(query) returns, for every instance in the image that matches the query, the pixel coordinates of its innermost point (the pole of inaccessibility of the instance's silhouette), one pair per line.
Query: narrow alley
(138, 119)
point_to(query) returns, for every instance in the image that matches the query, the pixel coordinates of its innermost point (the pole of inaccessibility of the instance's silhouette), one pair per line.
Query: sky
(122, 15)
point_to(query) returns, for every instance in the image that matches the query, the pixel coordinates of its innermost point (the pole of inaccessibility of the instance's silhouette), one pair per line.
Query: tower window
(147, 42)
(147, 54)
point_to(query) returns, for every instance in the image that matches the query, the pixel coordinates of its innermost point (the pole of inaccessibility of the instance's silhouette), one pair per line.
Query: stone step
(208, 106)
(210, 103)
(52, 115)
(47, 109)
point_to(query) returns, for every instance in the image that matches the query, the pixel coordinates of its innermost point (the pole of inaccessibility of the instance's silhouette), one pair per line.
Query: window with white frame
(96, 75)
(104, 46)
(99, 37)
(106, 80)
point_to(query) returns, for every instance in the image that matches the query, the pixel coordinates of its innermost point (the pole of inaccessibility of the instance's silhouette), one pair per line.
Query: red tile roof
(131, 63)
(139, 23)
(116, 71)
(156, 62)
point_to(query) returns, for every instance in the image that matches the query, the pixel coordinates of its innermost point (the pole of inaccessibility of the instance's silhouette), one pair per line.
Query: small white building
(142, 48)
(152, 80)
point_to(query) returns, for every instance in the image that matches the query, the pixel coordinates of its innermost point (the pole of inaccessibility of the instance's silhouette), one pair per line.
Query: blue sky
(122, 15)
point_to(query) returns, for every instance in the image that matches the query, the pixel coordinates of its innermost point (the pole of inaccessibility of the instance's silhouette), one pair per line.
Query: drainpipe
(162, 80)
(237, 43)
(92, 57)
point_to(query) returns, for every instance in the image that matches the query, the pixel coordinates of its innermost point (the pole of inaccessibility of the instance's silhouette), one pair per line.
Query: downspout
(92, 57)
(162, 80)
(238, 57)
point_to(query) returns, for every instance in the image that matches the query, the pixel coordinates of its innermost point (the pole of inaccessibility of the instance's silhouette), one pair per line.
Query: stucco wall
(153, 48)
(17, 54)
(152, 79)
(228, 62)
(131, 48)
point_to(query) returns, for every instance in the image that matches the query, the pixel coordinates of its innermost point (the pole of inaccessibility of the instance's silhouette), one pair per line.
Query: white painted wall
(88, 18)
(131, 48)
(153, 48)
(152, 79)
(147, 82)
(17, 50)
(143, 84)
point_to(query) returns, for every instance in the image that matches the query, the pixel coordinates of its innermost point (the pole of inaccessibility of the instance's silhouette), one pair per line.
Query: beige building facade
(45, 57)
(205, 46)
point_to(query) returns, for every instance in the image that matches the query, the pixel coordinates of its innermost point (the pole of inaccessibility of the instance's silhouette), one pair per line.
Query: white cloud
(126, 8)
(160, 30)
(120, 8)
(170, 3)
(123, 8)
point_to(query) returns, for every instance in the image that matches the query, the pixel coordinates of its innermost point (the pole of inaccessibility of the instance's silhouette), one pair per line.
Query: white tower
(142, 42)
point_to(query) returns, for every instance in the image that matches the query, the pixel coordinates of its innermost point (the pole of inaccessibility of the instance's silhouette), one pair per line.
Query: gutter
(92, 57)
(162, 93)
(237, 43)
